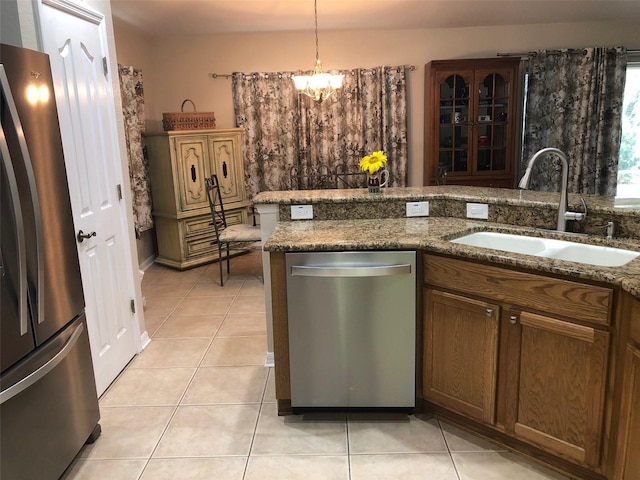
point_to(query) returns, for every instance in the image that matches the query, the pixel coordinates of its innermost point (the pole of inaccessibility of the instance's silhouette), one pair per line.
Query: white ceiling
(180, 17)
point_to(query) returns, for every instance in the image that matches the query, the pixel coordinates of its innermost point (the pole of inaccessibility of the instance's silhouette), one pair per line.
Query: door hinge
(104, 66)
(119, 187)
(133, 306)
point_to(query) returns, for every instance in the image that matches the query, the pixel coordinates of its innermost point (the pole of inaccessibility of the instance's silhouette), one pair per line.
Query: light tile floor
(198, 404)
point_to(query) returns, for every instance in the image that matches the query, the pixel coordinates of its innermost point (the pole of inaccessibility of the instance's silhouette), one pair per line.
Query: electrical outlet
(417, 209)
(301, 212)
(478, 210)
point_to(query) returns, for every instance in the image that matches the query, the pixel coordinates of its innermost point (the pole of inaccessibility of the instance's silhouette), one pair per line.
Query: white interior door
(76, 43)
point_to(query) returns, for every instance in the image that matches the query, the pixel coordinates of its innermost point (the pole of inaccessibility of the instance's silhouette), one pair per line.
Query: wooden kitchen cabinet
(179, 163)
(471, 121)
(627, 461)
(555, 385)
(552, 353)
(461, 353)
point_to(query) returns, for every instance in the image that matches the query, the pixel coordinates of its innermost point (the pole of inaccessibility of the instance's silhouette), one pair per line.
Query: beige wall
(175, 68)
(19, 24)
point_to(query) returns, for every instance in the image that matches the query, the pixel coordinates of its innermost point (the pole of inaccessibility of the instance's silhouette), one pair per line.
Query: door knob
(81, 235)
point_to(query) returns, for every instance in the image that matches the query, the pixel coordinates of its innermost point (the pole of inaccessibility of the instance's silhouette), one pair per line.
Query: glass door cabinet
(470, 122)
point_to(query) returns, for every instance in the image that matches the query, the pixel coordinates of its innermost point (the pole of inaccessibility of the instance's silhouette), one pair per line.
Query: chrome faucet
(563, 206)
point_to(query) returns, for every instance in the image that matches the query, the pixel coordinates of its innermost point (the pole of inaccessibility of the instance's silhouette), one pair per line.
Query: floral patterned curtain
(133, 112)
(574, 103)
(266, 105)
(288, 134)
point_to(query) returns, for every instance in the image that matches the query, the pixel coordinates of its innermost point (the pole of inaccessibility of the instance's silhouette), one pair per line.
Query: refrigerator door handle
(17, 217)
(34, 377)
(348, 271)
(33, 192)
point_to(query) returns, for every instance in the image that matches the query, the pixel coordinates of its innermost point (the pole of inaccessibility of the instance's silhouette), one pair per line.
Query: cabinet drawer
(201, 225)
(235, 217)
(561, 297)
(197, 246)
(198, 232)
(198, 226)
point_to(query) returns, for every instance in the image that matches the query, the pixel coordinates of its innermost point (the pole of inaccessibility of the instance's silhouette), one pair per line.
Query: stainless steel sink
(550, 248)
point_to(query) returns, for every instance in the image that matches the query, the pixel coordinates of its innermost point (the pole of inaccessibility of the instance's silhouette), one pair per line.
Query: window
(629, 159)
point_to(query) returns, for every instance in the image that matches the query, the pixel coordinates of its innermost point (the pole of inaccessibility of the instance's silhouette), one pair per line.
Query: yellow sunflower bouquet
(374, 162)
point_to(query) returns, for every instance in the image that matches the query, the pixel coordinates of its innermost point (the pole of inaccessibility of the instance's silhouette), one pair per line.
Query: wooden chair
(226, 234)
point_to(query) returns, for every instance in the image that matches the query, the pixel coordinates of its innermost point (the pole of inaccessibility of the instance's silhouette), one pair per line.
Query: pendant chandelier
(318, 86)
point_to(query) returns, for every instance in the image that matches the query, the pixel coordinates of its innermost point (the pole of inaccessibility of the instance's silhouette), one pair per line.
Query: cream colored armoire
(179, 163)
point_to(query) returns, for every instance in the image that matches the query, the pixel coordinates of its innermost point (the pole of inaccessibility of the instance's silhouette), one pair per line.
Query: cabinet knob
(489, 312)
(513, 319)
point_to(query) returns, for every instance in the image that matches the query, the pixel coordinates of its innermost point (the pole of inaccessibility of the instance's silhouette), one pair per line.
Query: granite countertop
(346, 226)
(433, 235)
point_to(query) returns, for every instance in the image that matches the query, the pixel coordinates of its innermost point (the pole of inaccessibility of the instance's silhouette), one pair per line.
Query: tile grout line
(255, 428)
(446, 443)
(348, 449)
(253, 437)
(264, 391)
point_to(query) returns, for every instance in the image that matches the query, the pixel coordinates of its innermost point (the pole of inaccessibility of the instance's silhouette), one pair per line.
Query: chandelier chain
(315, 10)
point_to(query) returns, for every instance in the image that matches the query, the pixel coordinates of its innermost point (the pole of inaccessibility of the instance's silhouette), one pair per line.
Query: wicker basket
(188, 120)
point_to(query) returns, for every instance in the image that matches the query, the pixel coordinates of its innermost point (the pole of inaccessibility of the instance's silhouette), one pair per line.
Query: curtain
(266, 106)
(133, 112)
(574, 103)
(289, 135)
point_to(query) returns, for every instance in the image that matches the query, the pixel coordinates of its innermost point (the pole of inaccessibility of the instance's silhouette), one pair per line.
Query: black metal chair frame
(225, 234)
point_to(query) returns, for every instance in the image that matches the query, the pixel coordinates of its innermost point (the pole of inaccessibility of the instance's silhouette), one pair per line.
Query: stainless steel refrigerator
(48, 402)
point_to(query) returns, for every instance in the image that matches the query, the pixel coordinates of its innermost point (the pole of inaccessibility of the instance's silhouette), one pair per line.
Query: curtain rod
(229, 75)
(533, 54)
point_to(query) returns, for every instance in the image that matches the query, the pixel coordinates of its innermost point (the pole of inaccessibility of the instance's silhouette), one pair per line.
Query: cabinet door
(491, 141)
(192, 158)
(557, 379)
(226, 156)
(454, 115)
(460, 354)
(470, 122)
(628, 464)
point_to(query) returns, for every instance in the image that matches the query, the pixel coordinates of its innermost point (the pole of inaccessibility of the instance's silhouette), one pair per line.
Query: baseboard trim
(145, 340)
(147, 262)
(269, 360)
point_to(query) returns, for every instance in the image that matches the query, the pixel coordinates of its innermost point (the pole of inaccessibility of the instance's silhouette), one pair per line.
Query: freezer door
(48, 407)
(32, 136)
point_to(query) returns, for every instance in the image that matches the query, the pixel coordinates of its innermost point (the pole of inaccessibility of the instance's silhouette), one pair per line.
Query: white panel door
(76, 43)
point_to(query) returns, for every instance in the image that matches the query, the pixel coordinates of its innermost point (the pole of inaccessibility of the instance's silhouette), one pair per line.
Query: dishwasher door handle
(359, 271)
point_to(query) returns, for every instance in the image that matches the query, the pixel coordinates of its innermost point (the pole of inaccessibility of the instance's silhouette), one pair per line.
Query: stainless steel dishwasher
(352, 324)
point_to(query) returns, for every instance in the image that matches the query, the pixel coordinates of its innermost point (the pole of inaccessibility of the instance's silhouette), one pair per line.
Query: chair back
(219, 220)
